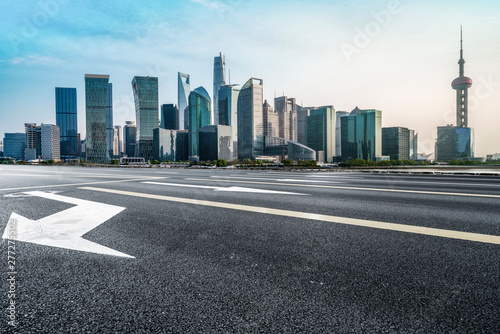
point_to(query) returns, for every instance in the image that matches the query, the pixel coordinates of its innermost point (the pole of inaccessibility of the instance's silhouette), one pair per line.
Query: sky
(396, 56)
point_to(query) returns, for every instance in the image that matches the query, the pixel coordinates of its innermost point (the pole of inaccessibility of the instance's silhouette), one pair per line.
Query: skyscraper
(129, 137)
(250, 120)
(362, 135)
(287, 113)
(338, 132)
(117, 141)
(302, 114)
(109, 118)
(146, 114)
(96, 97)
(270, 120)
(199, 116)
(228, 112)
(320, 132)
(183, 90)
(219, 80)
(169, 114)
(66, 119)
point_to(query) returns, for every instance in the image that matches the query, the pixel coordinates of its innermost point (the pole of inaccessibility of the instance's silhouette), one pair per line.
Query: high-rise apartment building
(50, 142)
(66, 119)
(199, 116)
(183, 90)
(146, 114)
(129, 138)
(250, 120)
(42, 142)
(320, 132)
(96, 103)
(219, 80)
(271, 121)
(287, 113)
(362, 135)
(33, 148)
(169, 114)
(228, 112)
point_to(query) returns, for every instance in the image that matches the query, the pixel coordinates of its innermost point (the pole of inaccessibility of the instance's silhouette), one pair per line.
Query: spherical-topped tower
(461, 85)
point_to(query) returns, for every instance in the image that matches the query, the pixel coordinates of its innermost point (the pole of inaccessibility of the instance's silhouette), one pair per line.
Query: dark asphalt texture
(214, 270)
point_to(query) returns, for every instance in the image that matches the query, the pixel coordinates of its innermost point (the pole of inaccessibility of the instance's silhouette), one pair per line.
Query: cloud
(35, 60)
(209, 4)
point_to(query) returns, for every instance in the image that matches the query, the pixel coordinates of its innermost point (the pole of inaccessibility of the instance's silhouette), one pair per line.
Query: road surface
(100, 250)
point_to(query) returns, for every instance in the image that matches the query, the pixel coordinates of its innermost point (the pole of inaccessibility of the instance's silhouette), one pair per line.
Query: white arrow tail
(64, 229)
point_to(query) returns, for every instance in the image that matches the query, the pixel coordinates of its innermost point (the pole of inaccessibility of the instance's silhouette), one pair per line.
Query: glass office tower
(14, 145)
(228, 112)
(146, 114)
(129, 137)
(219, 80)
(199, 116)
(320, 131)
(96, 97)
(169, 114)
(250, 120)
(66, 119)
(361, 134)
(183, 90)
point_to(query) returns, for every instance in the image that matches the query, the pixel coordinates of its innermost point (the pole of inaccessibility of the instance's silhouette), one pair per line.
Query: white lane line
(97, 176)
(29, 175)
(64, 229)
(229, 189)
(84, 183)
(271, 179)
(180, 185)
(355, 188)
(389, 181)
(483, 238)
(337, 176)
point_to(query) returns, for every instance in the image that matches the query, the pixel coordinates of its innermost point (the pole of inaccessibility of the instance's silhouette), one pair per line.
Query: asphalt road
(239, 251)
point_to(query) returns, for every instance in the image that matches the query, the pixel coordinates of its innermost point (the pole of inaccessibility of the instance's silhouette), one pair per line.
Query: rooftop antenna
(229, 77)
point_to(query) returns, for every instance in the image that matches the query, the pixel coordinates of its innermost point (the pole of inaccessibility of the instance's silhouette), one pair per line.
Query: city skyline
(403, 66)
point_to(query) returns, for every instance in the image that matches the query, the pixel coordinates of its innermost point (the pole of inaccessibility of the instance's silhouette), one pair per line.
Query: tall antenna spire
(461, 62)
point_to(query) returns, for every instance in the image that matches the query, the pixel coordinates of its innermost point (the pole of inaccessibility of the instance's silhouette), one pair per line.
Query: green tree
(221, 163)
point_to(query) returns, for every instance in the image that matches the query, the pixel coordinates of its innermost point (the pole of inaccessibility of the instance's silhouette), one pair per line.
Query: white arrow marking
(64, 229)
(230, 189)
